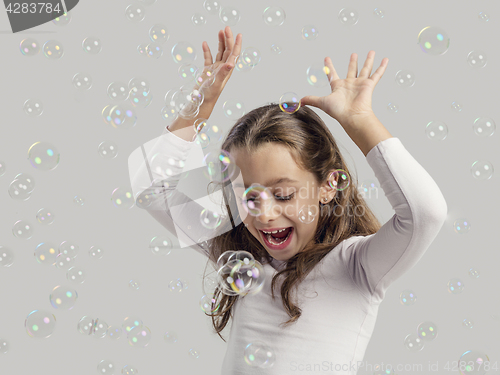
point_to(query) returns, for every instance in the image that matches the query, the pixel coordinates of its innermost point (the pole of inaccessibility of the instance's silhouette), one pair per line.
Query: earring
(325, 199)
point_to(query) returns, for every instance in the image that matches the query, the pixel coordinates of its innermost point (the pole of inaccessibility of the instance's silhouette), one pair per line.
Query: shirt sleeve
(375, 261)
(170, 180)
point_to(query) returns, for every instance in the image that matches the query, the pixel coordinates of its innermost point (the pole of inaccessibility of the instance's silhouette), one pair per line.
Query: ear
(328, 189)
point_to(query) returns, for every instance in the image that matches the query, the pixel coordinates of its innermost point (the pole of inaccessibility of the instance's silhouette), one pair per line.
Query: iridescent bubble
(131, 322)
(379, 13)
(474, 273)
(76, 275)
(233, 109)
(114, 333)
(122, 198)
(96, 252)
(484, 126)
(99, 329)
(433, 40)
(483, 17)
(317, 75)
(176, 286)
(307, 214)
(413, 343)
(229, 15)
(187, 72)
(234, 278)
(92, 45)
(211, 6)
(82, 81)
(159, 33)
(169, 113)
(193, 354)
(107, 150)
(29, 47)
(407, 297)
(276, 49)
(118, 91)
(461, 226)
(140, 97)
(62, 20)
(289, 102)
(46, 253)
(436, 130)
(257, 200)
(455, 286)
(40, 324)
(274, 16)
(475, 362)
(309, 32)
(160, 245)
(251, 55)
(154, 50)
(6, 256)
(477, 59)
(209, 304)
(393, 107)
(258, 354)
(427, 331)
(369, 188)
(339, 179)
(482, 170)
(18, 190)
(139, 83)
(220, 166)
(52, 49)
(468, 323)
(348, 16)
(26, 181)
(141, 48)
(63, 297)
(22, 229)
(457, 107)
(78, 200)
(202, 139)
(213, 131)
(183, 53)
(405, 78)
(135, 12)
(198, 19)
(69, 248)
(210, 219)
(64, 262)
(106, 367)
(43, 156)
(45, 216)
(133, 284)
(206, 77)
(33, 107)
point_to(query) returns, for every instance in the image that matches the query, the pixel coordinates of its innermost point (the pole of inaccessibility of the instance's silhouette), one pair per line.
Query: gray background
(73, 122)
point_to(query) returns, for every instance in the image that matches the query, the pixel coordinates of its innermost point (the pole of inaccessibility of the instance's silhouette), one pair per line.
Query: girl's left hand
(350, 97)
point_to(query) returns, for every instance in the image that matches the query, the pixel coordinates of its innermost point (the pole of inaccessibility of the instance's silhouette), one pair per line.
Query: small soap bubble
(455, 286)
(461, 225)
(457, 107)
(63, 297)
(33, 107)
(183, 53)
(210, 219)
(348, 16)
(4, 346)
(62, 20)
(176, 286)
(258, 354)
(477, 59)
(187, 72)
(29, 47)
(482, 170)
(140, 98)
(135, 12)
(76, 275)
(69, 248)
(308, 213)
(6, 256)
(107, 150)
(22, 229)
(289, 102)
(46, 253)
(141, 48)
(369, 189)
(43, 156)
(407, 297)
(64, 262)
(96, 252)
(114, 332)
(229, 15)
(209, 304)
(131, 322)
(484, 126)
(79, 201)
(45, 216)
(106, 367)
(405, 78)
(274, 16)
(122, 198)
(139, 83)
(483, 17)
(159, 33)
(252, 56)
(309, 32)
(193, 354)
(118, 91)
(169, 113)
(133, 284)
(206, 77)
(276, 49)
(198, 19)
(85, 325)
(317, 75)
(129, 370)
(52, 49)
(339, 179)
(427, 331)
(436, 130)
(233, 109)
(154, 50)
(161, 245)
(474, 273)
(211, 6)
(475, 362)
(433, 40)
(393, 107)
(413, 343)
(40, 324)
(257, 200)
(92, 45)
(379, 13)
(170, 337)
(468, 323)
(100, 328)
(82, 81)
(18, 190)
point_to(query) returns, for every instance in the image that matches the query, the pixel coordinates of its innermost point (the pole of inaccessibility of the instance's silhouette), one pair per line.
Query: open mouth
(276, 243)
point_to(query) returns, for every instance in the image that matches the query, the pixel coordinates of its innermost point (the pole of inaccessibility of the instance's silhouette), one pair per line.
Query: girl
(332, 271)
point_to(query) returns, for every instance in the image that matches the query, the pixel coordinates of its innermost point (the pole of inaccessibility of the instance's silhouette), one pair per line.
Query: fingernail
(229, 67)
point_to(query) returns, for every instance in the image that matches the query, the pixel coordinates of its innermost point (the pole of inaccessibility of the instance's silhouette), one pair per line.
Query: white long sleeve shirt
(340, 297)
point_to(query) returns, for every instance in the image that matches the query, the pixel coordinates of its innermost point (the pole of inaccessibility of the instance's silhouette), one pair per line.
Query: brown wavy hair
(314, 149)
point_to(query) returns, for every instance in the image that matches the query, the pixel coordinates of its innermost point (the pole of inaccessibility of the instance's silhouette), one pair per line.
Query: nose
(269, 211)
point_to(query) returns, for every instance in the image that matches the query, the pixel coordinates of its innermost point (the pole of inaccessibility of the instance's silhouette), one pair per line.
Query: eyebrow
(275, 181)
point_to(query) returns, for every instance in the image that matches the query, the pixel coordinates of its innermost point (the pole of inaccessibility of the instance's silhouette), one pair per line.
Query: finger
(229, 43)
(236, 51)
(221, 46)
(207, 55)
(312, 100)
(367, 68)
(380, 71)
(353, 66)
(330, 71)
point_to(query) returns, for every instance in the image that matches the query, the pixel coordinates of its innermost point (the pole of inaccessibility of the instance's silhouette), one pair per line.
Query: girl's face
(293, 203)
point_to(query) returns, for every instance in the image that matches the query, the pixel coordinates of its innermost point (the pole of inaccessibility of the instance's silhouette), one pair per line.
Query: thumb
(315, 101)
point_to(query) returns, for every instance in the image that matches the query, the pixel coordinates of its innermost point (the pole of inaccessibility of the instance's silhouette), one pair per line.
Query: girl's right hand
(222, 67)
